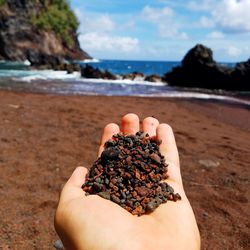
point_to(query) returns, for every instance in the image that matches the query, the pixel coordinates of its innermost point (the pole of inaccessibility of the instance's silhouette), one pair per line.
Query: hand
(91, 222)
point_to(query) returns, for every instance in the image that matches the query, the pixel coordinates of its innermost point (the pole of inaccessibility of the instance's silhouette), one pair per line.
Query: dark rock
(72, 67)
(133, 75)
(156, 158)
(109, 75)
(69, 67)
(90, 72)
(199, 55)
(241, 73)
(153, 78)
(110, 154)
(37, 58)
(105, 195)
(198, 69)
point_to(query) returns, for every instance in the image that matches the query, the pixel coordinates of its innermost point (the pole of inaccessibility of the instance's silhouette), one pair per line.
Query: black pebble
(109, 154)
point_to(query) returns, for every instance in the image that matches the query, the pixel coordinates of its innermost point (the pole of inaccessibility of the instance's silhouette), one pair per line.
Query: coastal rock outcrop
(241, 73)
(90, 72)
(198, 69)
(132, 76)
(43, 32)
(153, 78)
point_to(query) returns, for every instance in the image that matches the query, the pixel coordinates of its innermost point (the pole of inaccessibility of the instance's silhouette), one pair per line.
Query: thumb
(78, 177)
(72, 189)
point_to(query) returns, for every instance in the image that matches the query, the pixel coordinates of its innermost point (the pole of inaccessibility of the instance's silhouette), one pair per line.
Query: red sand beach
(43, 138)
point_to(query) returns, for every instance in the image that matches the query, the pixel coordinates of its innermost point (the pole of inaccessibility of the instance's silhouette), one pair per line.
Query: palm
(102, 224)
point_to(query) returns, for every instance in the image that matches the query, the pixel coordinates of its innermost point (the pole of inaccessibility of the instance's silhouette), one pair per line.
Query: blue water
(19, 69)
(146, 67)
(126, 67)
(19, 77)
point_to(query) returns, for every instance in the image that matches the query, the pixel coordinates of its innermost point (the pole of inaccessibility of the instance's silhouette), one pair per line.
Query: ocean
(18, 77)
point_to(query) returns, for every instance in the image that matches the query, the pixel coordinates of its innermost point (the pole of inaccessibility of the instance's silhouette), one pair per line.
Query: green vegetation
(57, 16)
(2, 2)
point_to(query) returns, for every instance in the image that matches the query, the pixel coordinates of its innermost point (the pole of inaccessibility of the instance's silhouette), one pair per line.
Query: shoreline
(207, 107)
(100, 87)
(44, 137)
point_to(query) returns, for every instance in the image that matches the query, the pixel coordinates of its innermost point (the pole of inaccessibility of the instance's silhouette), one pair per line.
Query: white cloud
(129, 25)
(163, 18)
(167, 31)
(233, 51)
(183, 36)
(157, 14)
(206, 22)
(102, 23)
(233, 15)
(215, 35)
(204, 5)
(104, 42)
(97, 36)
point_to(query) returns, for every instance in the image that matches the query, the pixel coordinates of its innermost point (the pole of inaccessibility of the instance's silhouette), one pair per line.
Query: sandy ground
(43, 138)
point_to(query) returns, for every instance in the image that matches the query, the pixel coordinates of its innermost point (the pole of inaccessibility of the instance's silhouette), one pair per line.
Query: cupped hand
(91, 222)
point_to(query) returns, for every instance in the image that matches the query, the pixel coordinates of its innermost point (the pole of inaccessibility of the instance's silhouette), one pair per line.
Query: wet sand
(44, 137)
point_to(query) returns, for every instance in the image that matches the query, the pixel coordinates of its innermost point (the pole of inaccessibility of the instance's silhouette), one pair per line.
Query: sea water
(19, 77)
(118, 67)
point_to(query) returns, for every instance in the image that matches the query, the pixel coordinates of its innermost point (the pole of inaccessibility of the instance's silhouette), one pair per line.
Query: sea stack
(198, 69)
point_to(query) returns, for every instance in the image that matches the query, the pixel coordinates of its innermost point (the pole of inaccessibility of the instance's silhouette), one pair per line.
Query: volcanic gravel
(130, 172)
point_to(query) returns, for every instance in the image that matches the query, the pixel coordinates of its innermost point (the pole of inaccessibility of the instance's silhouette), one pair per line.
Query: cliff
(41, 31)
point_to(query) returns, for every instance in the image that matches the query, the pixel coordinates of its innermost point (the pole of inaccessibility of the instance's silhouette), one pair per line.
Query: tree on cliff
(42, 31)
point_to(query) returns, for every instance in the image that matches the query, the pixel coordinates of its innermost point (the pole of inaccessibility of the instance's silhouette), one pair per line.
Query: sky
(163, 29)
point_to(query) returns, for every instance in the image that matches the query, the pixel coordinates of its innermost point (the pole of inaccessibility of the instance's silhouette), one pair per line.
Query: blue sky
(163, 29)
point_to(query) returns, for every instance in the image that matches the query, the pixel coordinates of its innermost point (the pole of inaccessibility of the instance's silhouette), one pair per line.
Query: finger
(149, 126)
(72, 189)
(108, 132)
(130, 124)
(78, 177)
(168, 148)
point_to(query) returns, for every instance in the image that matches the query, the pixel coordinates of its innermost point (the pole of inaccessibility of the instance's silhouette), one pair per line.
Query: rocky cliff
(41, 31)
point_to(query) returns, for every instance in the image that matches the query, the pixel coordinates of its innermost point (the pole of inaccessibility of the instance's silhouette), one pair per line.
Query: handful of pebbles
(130, 172)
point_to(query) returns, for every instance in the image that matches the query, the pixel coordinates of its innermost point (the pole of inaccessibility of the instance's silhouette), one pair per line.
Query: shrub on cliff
(56, 16)
(2, 2)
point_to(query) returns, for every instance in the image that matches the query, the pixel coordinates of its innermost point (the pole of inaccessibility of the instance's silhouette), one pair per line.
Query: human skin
(91, 222)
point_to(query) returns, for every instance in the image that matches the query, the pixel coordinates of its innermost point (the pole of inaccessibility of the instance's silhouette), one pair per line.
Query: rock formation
(132, 76)
(198, 69)
(41, 31)
(89, 71)
(153, 78)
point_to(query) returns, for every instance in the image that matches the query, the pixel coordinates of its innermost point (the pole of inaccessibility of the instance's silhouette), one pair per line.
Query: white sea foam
(195, 95)
(136, 81)
(28, 75)
(14, 63)
(43, 75)
(27, 63)
(93, 60)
